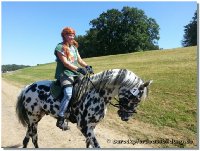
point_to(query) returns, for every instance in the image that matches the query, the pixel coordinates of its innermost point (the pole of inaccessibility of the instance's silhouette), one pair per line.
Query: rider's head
(68, 35)
(67, 31)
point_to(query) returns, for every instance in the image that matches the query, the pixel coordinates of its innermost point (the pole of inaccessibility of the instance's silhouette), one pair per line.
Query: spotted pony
(35, 101)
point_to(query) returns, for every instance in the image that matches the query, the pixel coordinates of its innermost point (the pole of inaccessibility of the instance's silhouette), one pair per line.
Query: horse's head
(129, 99)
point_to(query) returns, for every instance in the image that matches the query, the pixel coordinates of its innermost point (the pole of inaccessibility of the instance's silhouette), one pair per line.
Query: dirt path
(12, 132)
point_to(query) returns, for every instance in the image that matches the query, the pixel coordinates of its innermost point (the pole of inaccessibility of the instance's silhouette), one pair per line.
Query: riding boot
(61, 124)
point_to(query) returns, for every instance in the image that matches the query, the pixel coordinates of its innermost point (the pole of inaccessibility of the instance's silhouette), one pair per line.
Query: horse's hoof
(65, 127)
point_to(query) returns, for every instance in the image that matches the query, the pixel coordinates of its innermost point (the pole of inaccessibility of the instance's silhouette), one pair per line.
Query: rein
(83, 86)
(118, 106)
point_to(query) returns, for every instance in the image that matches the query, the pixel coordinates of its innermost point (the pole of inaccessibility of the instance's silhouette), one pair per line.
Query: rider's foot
(61, 124)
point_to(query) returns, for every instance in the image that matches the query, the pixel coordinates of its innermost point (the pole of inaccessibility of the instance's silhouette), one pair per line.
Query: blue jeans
(65, 101)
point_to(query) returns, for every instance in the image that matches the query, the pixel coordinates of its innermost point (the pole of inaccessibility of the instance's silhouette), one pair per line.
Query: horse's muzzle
(123, 115)
(124, 119)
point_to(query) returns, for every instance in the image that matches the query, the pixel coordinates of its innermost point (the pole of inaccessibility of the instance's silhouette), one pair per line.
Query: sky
(31, 30)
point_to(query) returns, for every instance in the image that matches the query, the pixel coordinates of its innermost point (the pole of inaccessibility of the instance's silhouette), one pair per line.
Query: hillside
(171, 109)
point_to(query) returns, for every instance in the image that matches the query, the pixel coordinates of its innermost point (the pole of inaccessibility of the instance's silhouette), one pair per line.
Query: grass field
(171, 109)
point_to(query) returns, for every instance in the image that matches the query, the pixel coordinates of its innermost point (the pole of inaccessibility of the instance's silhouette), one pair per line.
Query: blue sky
(31, 30)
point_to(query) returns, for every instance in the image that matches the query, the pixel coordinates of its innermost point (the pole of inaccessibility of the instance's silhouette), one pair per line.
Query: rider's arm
(80, 61)
(65, 62)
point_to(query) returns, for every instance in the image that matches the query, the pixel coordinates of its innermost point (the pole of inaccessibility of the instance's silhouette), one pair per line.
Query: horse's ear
(148, 83)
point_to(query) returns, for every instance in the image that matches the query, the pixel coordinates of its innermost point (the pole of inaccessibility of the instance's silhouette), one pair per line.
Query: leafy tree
(124, 31)
(87, 44)
(190, 36)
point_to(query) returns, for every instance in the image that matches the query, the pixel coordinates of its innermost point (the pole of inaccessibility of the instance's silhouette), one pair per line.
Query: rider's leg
(67, 85)
(65, 101)
(63, 106)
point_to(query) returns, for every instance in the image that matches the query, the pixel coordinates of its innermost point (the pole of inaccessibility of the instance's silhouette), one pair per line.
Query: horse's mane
(115, 77)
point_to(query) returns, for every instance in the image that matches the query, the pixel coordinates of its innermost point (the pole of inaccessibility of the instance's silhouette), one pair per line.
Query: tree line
(12, 67)
(126, 31)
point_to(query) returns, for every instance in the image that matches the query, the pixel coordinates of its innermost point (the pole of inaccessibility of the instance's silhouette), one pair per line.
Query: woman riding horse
(36, 101)
(68, 58)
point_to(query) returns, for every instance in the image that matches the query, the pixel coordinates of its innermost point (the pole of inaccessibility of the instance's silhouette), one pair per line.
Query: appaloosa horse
(36, 100)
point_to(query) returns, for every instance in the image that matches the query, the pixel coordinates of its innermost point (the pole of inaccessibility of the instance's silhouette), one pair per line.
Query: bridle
(121, 106)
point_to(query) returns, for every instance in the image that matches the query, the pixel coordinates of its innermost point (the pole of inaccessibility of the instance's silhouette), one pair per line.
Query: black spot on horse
(101, 93)
(89, 134)
(32, 88)
(35, 104)
(96, 100)
(88, 96)
(42, 95)
(32, 106)
(48, 101)
(52, 110)
(45, 106)
(44, 87)
(97, 109)
(88, 104)
(28, 100)
(29, 113)
(57, 107)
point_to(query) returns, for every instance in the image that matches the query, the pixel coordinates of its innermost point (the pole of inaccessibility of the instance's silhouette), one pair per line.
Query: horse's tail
(20, 109)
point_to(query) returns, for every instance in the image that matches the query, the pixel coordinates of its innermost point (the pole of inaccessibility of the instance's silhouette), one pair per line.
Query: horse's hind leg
(34, 116)
(32, 129)
(34, 134)
(31, 132)
(27, 138)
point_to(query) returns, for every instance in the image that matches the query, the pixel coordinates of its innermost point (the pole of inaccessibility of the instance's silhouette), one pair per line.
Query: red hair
(65, 31)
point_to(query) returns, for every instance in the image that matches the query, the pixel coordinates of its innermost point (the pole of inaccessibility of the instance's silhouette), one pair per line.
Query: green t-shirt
(60, 68)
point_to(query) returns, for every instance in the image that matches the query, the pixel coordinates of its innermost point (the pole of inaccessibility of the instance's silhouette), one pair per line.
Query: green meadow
(170, 112)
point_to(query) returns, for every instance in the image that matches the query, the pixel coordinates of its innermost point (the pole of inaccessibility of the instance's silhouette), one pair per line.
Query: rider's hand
(89, 69)
(83, 71)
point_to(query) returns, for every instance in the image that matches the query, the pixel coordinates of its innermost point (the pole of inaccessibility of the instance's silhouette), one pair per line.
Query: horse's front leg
(88, 132)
